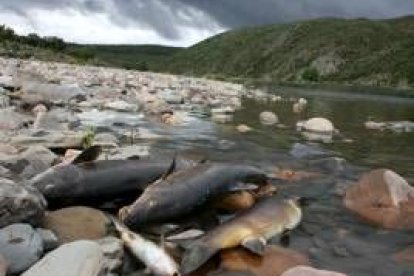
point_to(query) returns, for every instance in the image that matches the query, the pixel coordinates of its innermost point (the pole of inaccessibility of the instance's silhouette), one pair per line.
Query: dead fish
(251, 229)
(154, 257)
(92, 183)
(181, 193)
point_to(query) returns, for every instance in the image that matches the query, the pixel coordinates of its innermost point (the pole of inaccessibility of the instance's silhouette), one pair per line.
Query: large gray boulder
(80, 258)
(35, 92)
(21, 246)
(19, 203)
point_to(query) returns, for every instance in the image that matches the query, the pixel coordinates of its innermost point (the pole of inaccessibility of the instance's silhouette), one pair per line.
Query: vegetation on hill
(360, 52)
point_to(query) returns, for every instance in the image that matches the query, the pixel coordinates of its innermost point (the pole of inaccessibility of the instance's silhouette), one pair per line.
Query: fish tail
(196, 255)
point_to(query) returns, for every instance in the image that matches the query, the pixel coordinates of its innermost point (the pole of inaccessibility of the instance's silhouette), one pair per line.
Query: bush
(310, 74)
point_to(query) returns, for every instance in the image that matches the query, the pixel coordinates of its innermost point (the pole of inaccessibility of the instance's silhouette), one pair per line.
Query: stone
(80, 258)
(243, 128)
(222, 118)
(20, 203)
(33, 92)
(405, 256)
(318, 129)
(268, 118)
(12, 120)
(3, 266)
(113, 251)
(49, 139)
(274, 262)
(50, 241)
(121, 106)
(308, 151)
(21, 246)
(77, 223)
(106, 140)
(309, 271)
(382, 198)
(4, 101)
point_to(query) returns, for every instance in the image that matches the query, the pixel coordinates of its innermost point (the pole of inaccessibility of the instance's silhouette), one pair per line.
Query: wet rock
(80, 258)
(318, 129)
(50, 241)
(7, 82)
(4, 101)
(12, 120)
(309, 271)
(49, 139)
(77, 223)
(19, 203)
(3, 266)
(405, 256)
(382, 198)
(106, 140)
(268, 118)
(113, 251)
(121, 106)
(243, 128)
(21, 246)
(30, 162)
(275, 261)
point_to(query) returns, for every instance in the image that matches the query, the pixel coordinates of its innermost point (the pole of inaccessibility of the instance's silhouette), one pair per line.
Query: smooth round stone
(268, 118)
(320, 125)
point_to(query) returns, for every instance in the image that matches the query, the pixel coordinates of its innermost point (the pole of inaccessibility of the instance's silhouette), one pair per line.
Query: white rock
(268, 118)
(80, 258)
(320, 125)
(121, 106)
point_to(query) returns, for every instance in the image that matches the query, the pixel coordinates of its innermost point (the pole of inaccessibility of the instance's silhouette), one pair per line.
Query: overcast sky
(174, 22)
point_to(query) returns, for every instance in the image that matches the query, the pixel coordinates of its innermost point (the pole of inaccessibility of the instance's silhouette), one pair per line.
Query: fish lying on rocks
(154, 257)
(268, 218)
(182, 192)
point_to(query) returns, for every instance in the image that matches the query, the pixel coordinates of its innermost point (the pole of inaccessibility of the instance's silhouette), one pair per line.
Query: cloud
(177, 22)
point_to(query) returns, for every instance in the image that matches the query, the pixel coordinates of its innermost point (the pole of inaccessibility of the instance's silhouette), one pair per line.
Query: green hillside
(361, 52)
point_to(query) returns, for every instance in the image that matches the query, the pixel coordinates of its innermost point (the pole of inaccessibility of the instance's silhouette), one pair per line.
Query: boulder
(318, 129)
(243, 128)
(23, 203)
(274, 262)
(310, 271)
(382, 198)
(49, 139)
(21, 246)
(33, 93)
(113, 251)
(77, 223)
(80, 258)
(268, 118)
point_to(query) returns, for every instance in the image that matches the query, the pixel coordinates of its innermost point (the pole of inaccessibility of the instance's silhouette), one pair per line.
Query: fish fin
(88, 155)
(171, 169)
(194, 257)
(240, 186)
(256, 245)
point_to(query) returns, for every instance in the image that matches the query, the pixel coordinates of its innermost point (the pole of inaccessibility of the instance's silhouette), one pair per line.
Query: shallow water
(329, 235)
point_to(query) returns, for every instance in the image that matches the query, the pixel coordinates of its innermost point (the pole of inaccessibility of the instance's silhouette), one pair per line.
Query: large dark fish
(95, 182)
(182, 192)
(251, 229)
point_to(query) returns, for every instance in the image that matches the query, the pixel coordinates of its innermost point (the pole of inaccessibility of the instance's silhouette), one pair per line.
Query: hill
(359, 51)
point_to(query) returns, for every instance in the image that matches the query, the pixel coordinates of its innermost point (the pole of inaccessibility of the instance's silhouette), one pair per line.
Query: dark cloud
(168, 17)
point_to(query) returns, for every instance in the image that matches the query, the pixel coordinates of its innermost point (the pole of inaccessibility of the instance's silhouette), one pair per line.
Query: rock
(21, 246)
(49, 139)
(222, 110)
(382, 198)
(80, 258)
(298, 108)
(3, 266)
(30, 162)
(7, 82)
(375, 125)
(12, 120)
(106, 140)
(309, 271)
(222, 118)
(275, 261)
(268, 118)
(243, 128)
(77, 223)
(318, 129)
(4, 101)
(405, 256)
(50, 241)
(23, 204)
(121, 106)
(35, 92)
(113, 251)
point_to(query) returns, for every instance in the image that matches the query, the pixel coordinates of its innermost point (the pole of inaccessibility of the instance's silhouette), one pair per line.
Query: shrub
(310, 74)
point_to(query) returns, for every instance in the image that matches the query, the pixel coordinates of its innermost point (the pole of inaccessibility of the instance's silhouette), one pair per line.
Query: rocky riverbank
(58, 200)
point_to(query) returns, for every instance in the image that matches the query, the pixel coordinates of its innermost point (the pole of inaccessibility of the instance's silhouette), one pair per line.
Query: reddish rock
(309, 271)
(405, 256)
(3, 266)
(275, 261)
(382, 198)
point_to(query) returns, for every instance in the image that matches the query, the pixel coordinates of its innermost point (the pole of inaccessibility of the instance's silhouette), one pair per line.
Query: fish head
(55, 182)
(249, 174)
